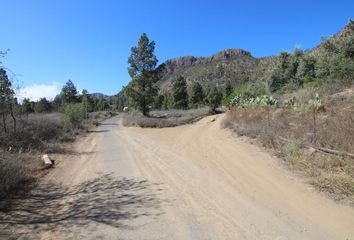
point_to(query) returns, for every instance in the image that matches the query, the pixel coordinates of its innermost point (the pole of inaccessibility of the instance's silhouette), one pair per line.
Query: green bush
(74, 115)
(288, 88)
(214, 99)
(251, 90)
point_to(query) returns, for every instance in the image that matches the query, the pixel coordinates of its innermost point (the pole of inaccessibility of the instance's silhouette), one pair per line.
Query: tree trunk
(144, 97)
(144, 104)
(14, 120)
(4, 122)
(314, 125)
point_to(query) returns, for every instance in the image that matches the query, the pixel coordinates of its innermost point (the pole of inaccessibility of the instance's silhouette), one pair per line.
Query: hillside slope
(283, 73)
(234, 65)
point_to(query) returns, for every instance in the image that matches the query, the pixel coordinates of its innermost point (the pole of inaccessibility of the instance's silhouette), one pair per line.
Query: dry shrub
(332, 174)
(32, 132)
(253, 122)
(36, 132)
(14, 172)
(335, 130)
(162, 119)
(335, 183)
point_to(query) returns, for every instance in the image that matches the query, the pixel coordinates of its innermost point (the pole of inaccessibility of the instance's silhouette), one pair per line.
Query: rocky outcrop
(225, 55)
(229, 53)
(171, 64)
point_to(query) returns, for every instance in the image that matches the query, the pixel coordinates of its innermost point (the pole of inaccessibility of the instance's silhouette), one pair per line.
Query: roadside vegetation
(164, 118)
(304, 110)
(143, 95)
(30, 128)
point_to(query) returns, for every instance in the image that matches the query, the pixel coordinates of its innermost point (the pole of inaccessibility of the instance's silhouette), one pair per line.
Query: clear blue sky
(89, 41)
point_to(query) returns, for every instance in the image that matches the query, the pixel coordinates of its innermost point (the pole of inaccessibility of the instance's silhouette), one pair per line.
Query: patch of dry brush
(162, 119)
(334, 130)
(20, 150)
(16, 171)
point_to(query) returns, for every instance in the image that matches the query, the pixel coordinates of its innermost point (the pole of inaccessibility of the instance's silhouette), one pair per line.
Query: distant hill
(94, 96)
(97, 96)
(234, 65)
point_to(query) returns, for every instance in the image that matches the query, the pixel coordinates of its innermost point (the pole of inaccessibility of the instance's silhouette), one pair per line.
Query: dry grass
(162, 119)
(332, 174)
(334, 130)
(36, 133)
(15, 172)
(44, 132)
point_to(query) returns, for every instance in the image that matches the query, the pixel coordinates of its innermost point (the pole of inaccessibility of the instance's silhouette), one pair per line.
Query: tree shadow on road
(109, 124)
(105, 200)
(98, 131)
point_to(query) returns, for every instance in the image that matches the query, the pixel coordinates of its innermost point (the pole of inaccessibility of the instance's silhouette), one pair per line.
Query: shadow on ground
(98, 131)
(104, 200)
(108, 124)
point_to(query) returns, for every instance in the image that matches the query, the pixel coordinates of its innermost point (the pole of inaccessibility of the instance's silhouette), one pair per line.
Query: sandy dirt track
(191, 182)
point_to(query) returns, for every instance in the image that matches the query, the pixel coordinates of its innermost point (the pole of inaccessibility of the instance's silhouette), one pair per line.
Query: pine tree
(197, 94)
(214, 99)
(180, 95)
(69, 93)
(142, 63)
(7, 99)
(26, 106)
(43, 105)
(306, 69)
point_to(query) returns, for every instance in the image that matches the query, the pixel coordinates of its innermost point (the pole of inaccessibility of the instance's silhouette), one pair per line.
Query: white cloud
(37, 91)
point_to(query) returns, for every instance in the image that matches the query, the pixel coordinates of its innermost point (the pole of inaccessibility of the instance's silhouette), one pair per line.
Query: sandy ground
(191, 182)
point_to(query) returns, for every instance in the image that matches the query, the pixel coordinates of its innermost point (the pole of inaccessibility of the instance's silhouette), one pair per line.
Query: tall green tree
(7, 99)
(102, 104)
(69, 93)
(291, 72)
(42, 106)
(214, 98)
(27, 106)
(306, 70)
(179, 92)
(167, 101)
(285, 70)
(142, 62)
(197, 94)
(85, 100)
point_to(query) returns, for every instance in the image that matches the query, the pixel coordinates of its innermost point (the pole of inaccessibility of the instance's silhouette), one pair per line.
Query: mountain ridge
(232, 65)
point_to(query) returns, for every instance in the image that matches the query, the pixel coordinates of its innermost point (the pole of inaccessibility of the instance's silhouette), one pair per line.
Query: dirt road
(190, 182)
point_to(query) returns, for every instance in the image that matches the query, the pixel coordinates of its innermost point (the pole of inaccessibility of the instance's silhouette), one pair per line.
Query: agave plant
(236, 101)
(265, 100)
(289, 103)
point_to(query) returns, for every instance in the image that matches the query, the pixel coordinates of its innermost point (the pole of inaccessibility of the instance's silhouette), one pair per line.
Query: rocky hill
(234, 65)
